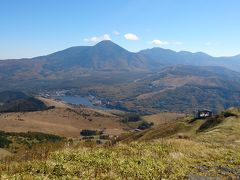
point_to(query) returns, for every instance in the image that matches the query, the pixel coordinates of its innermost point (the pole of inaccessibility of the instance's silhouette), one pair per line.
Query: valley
(68, 120)
(119, 90)
(104, 112)
(127, 81)
(120, 123)
(213, 88)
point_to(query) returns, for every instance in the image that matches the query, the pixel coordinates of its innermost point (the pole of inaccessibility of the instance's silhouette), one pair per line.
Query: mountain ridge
(108, 55)
(105, 56)
(109, 41)
(150, 80)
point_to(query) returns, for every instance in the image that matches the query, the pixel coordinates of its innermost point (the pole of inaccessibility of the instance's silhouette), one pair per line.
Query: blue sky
(31, 28)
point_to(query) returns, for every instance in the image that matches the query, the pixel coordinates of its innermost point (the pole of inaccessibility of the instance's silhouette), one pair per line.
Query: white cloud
(106, 37)
(159, 42)
(96, 39)
(116, 33)
(131, 37)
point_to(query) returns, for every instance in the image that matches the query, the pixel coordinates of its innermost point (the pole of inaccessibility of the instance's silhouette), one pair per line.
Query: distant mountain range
(105, 56)
(164, 57)
(144, 81)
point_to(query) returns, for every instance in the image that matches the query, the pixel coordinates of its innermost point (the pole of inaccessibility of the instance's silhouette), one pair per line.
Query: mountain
(165, 57)
(152, 79)
(104, 56)
(182, 88)
(73, 62)
(11, 101)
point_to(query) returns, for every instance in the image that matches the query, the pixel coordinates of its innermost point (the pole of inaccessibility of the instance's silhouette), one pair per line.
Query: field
(195, 149)
(63, 120)
(161, 118)
(66, 120)
(161, 159)
(158, 146)
(4, 153)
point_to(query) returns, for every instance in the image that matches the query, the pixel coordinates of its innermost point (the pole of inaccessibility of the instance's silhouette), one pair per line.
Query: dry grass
(52, 102)
(63, 120)
(214, 152)
(160, 159)
(4, 153)
(163, 117)
(226, 132)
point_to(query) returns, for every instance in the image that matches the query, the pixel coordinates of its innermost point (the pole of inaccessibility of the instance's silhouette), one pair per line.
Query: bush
(28, 138)
(104, 136)
(88, 137)
(41, 137)
(210, 122)
(145, 125)
(59, 170)
(87, 132)
(4, 142)
(132, 118)
(228, 114)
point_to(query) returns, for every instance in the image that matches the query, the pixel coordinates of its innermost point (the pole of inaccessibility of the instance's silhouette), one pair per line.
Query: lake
(79, 100)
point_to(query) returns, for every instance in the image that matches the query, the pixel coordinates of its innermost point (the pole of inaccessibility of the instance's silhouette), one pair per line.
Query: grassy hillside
(170, 159)
(17, 145)
(223, 128)
(182, 149)
(63, 120)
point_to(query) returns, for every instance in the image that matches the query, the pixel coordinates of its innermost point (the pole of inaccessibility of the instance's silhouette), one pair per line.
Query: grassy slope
(163, 117)
(63, 120)
(170, 159)
(4, 153)
(225, 132)
(213, 152)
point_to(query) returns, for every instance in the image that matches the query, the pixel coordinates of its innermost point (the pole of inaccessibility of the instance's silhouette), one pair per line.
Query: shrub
(41, 137)
(145, 125)
(87, 132)
(28, 138)
(228, 114)
(4, 142)
(132, 118)
(59, 170)
(88, 137)
(104, 136)
(210, 122)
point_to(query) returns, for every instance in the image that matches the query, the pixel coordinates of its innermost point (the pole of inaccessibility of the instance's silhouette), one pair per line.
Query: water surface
(79, 100)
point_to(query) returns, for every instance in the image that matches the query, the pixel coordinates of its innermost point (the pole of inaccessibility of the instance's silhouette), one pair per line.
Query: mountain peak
(107, 44)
